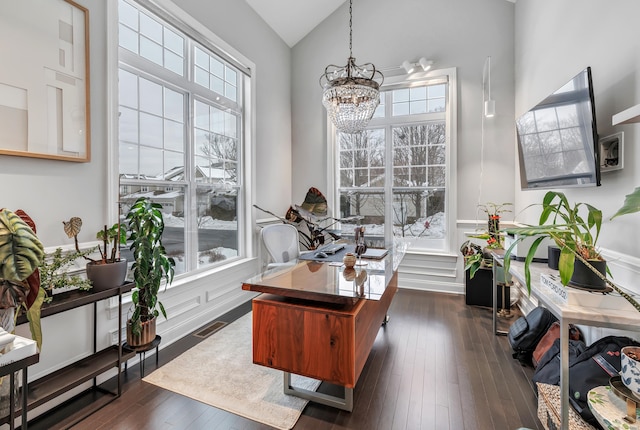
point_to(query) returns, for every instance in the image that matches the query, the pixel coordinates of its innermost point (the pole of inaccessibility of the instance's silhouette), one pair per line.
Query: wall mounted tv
(557, 139)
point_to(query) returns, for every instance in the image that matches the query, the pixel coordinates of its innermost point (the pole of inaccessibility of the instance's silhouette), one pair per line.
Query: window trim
(434, 76)
(166, 9)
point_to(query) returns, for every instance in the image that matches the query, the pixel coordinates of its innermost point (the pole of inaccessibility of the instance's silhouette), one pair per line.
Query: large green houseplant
(150, 266)
(575, 236)
(565, 224)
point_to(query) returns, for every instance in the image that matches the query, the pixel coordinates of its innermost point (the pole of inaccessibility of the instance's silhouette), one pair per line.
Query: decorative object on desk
(630, 370)
(349, 260)
(351, 93)
(575, 235)
(228, 379)
(150, 266)
(361, 245)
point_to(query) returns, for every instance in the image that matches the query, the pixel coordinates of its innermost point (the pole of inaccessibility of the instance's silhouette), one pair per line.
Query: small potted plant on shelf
(110, 270)
(150, 266)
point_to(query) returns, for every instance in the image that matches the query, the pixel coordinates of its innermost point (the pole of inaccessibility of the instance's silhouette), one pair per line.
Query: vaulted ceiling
(294, 19)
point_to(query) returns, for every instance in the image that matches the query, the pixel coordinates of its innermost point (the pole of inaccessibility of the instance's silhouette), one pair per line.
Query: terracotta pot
(146, 336)
(106, 276)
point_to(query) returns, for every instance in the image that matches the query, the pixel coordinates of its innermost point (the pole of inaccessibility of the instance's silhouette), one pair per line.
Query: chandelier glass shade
(351, 93)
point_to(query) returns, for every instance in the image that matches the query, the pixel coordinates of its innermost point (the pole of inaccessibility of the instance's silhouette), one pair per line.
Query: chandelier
(351, 93)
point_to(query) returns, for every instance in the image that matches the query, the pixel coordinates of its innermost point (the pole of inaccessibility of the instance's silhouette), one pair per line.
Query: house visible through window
(392, 177)
(181, 119)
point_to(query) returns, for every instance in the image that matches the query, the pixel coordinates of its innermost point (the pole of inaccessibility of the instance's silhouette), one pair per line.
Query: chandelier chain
(350, 28)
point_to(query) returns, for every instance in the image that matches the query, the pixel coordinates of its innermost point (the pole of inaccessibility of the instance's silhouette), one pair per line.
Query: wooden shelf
(627, 116)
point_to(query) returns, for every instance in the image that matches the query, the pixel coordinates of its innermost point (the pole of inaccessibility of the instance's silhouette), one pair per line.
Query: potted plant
(575, 235)
(21, 252)
(110, 270)
(150, 266)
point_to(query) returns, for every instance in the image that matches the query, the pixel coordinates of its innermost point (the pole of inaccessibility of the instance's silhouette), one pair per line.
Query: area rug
(219, 372)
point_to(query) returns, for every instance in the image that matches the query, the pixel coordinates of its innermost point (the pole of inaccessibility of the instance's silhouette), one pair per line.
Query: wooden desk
(314, 322)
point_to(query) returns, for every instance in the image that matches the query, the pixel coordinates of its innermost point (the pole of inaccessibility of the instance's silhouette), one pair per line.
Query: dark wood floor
(436, 365)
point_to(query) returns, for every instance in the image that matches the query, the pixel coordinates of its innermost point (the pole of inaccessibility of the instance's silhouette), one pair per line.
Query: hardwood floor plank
(436, 365)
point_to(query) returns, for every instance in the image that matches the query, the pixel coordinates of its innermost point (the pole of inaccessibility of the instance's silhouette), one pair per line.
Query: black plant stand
(142, 352)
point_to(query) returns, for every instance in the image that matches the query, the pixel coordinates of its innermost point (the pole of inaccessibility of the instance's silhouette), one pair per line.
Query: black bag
(594, 367)
(548, 370)
(589, 367)
(525, 333)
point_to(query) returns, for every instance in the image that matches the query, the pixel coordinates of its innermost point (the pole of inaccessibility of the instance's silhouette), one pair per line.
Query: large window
(181, 126)
(393, 177)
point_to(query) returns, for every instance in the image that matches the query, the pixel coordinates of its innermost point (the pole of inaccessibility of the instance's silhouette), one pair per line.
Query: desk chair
(281, 241)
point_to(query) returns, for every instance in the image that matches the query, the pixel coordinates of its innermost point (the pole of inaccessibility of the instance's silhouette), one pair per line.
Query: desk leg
(494, 294)
(345, 403)
(564, 374)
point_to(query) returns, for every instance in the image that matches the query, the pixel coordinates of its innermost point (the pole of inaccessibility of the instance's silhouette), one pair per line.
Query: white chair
(281, 241)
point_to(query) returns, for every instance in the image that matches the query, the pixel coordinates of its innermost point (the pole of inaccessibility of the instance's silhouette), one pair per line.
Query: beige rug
(219, 372)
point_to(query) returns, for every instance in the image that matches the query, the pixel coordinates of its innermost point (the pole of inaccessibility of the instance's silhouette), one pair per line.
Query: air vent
(210, 329)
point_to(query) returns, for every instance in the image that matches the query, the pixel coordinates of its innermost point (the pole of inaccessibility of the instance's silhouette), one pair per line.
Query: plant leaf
(631, 204)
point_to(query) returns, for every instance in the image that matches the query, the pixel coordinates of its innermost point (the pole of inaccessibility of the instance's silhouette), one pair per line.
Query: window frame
(179, 19)
(448, 75)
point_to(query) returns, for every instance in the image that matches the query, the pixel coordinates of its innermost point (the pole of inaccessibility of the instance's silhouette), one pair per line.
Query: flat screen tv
(557, 139)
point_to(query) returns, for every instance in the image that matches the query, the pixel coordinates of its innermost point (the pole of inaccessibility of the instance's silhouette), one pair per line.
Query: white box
(575, 297)
(522, 248)
(19, 349)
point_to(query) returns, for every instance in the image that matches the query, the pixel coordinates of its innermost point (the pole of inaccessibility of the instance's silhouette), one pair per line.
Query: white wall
(52, 191)
(554, 41)
(454, 33)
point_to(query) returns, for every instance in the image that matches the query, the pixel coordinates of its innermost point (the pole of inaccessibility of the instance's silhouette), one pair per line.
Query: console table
(317, 321)
(624, 319)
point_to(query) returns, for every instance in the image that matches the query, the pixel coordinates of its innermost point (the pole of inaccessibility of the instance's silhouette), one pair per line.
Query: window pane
(150, 50)
(150, 97)
(150, 130)
(173, 135)
(436, 105)
(174, 42)
(128, 158)
(202, 115)
(202, 77)
(230, 92)
(216, 67)
(128, 125)
(173, 165)
(217, 225)
(370, 206)
(128, 15)
(127, 89)
(128, 39)
(151, 162)
(173, 62)
(400, 109)
(173, 105)
(202, 59)
(419, 213)
(150, 28)
(172, 212)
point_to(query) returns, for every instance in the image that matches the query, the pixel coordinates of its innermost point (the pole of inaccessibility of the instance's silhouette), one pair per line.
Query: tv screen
(557, 139)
